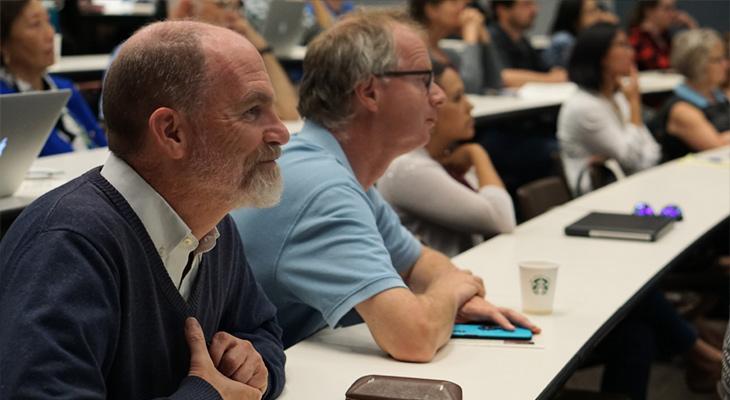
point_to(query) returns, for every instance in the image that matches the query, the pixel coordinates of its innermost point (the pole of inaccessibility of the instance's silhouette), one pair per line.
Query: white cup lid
(538, 265)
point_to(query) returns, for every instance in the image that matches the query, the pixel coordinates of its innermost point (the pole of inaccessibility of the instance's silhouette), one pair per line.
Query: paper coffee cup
(538, 281)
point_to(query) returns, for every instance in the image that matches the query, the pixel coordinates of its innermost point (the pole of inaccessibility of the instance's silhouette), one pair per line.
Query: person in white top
(602, 120)
(449, 194)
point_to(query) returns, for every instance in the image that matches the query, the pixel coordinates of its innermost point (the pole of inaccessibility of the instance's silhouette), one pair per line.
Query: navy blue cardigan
(89, 311)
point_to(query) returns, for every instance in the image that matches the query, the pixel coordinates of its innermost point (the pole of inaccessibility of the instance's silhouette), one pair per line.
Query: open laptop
(284, 26)
(620, 226)
(26, 120)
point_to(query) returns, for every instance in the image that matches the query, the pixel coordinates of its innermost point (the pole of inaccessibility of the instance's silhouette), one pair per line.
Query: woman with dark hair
(448, 193)
(697, 116)
(572, 17)
(477, 62)
(650, 31)
(602, 120)
(26, 52)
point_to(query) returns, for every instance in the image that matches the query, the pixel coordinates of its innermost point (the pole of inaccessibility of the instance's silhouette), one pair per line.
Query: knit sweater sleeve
(59, 303)
(59, 299)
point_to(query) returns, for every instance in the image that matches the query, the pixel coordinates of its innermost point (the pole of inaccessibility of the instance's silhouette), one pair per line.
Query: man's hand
(558, 74)
(472, 25)
(202, 366)
(684, 20)
(462, 284)
(238, 360)
(478, 309)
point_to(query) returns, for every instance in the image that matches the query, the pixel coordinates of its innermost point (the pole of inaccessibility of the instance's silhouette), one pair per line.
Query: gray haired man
(333, 248)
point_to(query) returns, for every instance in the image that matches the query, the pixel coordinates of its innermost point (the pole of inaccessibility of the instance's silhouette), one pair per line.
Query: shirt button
(188, 242)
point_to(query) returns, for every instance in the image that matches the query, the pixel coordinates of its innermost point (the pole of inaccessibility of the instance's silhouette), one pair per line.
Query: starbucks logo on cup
(540, 285)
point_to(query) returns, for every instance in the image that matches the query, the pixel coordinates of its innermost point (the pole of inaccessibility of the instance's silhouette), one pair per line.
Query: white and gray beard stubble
(258, 187)
(261, 186)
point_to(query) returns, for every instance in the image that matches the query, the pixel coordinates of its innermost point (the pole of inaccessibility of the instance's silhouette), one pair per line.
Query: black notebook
(620, 226)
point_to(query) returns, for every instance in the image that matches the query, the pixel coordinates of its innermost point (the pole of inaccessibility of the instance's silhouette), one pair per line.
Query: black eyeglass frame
(398, 74)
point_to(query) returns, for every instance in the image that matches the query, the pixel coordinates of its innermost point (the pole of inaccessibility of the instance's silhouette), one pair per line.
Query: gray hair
(349, 53)
(165, 68)
(691, 50)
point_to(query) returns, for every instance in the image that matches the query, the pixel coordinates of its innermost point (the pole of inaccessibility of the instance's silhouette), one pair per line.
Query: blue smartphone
(482, 331)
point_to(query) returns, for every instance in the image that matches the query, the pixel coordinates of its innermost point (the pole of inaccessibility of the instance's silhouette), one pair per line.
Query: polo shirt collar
(316, 134)
(690, 95)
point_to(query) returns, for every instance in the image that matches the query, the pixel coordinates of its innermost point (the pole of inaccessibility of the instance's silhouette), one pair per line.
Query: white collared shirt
(172, 238)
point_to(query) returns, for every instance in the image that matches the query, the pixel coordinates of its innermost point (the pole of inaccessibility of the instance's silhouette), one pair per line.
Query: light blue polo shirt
(329, 244)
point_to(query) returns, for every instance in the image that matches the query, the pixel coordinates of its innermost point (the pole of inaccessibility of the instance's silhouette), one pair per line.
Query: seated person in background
(227, 13)
(26, 48)
(602, 120)
(697, 116)
(477, 63)
(650, 31)
(572, 17)
(334, 252)
(99, 278)
(521, 62)
(449, 194)
(654, 330)
(320, 15)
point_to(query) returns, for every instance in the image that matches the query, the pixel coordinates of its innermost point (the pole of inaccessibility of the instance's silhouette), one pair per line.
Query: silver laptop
(26, 120)
(284, 26)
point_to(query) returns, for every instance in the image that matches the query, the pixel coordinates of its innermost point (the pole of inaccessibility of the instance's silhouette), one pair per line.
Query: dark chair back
(541, 195)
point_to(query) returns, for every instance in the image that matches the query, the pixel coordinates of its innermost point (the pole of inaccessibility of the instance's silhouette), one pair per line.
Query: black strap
(187, 268)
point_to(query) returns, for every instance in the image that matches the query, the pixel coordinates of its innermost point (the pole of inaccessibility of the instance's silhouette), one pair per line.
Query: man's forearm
(286, 100)
(518, 77)
(410, 327)
(430, 265)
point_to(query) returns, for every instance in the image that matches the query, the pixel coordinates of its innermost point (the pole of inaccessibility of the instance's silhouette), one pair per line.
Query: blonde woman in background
(697, 116)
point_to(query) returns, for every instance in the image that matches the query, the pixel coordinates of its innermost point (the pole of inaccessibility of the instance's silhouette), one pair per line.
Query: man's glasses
(426, 73)
(670, 211)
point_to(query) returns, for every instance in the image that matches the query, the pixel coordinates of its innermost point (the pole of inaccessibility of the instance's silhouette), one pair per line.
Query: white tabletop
(100, 62)
(539, 42)
(124, 8)
(532, 96)
(596, 278)
(59, 169)
(294, 53)
(85, 63)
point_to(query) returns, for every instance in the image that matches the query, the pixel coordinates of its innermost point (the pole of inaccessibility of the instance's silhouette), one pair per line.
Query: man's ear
(171, 134)
(368, 94)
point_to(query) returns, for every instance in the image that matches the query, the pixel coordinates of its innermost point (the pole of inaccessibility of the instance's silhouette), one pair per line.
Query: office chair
(541, 195)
